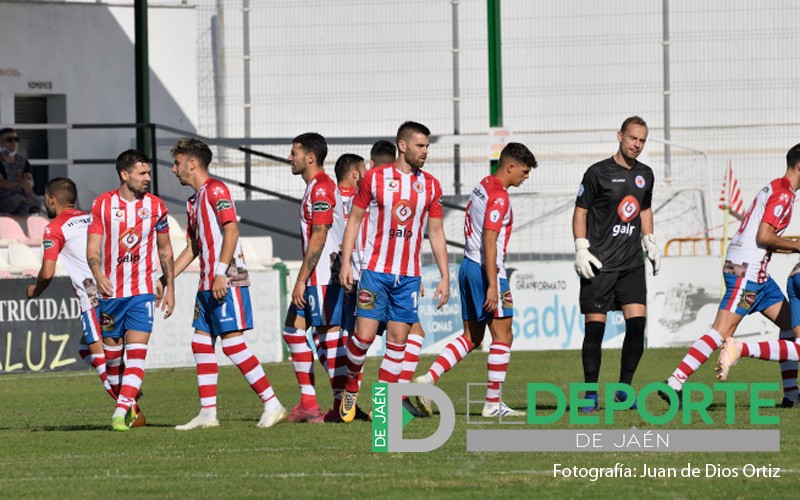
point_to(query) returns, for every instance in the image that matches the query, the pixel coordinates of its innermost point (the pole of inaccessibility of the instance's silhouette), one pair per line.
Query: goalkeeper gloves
(585, 260)
(649, 244)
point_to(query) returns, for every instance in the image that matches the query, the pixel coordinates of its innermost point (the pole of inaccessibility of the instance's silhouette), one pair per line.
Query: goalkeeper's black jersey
(615, 197)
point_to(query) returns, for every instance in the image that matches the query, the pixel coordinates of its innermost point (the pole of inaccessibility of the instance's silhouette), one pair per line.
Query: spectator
(16, 184)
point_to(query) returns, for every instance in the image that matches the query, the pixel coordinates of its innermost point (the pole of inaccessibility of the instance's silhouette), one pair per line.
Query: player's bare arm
(319, 232)
(490, 264)
(167, 301)
(230, 236)
(93, 242)
(766, 237)
(350, 235)
(46, 273)
(439, 247)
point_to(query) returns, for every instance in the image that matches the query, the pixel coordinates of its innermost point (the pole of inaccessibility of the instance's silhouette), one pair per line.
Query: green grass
(55, 441)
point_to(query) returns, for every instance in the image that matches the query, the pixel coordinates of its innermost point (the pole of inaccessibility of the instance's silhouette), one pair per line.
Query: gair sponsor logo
(130, 238)
(403, 211)
(628, 208)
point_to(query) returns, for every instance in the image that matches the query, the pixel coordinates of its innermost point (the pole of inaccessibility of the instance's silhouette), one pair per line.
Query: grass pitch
(55, 441)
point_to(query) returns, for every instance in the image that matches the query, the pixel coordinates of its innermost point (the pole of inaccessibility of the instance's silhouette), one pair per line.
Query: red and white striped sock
(207, 370)
(98, 362)
(132, 377)
(303, 364)
(392, 363)
(237, 351)
(411, 357)
(113, 355)
(697, 355)
(319, 348)
(356, 354)
(772, 350)
(497, 367)
(334, 347)
(789, 371)
(455, 351)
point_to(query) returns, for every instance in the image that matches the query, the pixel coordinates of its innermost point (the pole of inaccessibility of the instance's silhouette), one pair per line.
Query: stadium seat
(257, 252)
(36, 225)
(175, 228)
(11, 232)
(22, 260)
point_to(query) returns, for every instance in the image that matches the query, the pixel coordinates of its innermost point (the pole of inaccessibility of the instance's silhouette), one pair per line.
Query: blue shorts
(324, 305)
(745, 297)
(472, 285)
(349, 318)
(91, 326)
(117, 316)
(217, 317)
(793, 290)
(388, 297)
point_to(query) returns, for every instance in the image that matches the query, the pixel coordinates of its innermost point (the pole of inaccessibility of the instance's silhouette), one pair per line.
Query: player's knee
(634, 327)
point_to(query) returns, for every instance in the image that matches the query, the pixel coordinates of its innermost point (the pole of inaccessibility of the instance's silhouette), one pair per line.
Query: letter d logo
(388, 421)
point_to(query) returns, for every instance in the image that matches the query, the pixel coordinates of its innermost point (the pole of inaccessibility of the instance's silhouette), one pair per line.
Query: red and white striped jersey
(210, 208)
(773, 205)
(66, 236)
(347, 193)
(322, 205)
(488, 208)
(398, 206)
(129, 251)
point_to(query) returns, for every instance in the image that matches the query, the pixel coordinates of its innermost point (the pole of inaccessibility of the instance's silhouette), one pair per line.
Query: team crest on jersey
(143, 213)
(218, 191)
(747, 300)
(778, 210)
(366, 299)
(580, 190)
(223, 205)
(500, 201)
(118, 214)
(320, 191)
(47, 231)
(393, 186)
(196, 311)
(628, 208)
(418, 186)
(494, 215)
(48, 244)
(507, 299)
(639, 181)
(130, 238)
(403, 211)
(106, 322)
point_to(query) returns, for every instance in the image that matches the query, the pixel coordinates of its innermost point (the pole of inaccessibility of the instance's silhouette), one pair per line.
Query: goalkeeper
(612, 222)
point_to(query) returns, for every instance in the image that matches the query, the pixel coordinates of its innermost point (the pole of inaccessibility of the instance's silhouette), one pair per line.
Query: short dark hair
(383, 152)
(128, 158)
(190, 146)
(346, 164)
(312, 142)
(793, 156)
(6, 130)
(409, 127)
(519, 152)
(63, 189)
(636, 120)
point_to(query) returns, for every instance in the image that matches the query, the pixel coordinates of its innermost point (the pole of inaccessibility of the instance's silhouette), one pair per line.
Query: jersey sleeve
(323, 201)
(96, 227)
(363, 196)
(777, 206)
(162, 226)
(190, 232)
(436, 211)
(52, 243)
(647, 201)
(587, 190)
(496, 210)
(219, 197)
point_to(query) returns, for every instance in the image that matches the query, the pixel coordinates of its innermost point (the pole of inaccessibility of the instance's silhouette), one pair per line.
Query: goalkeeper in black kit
(611, 224)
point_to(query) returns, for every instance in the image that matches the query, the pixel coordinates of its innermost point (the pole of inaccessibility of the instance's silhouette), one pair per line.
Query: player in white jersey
(128, 237)
(317, 297)
(401, 199)
(222, 305)
(748, 286)
(65, 238)
(485, 292)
